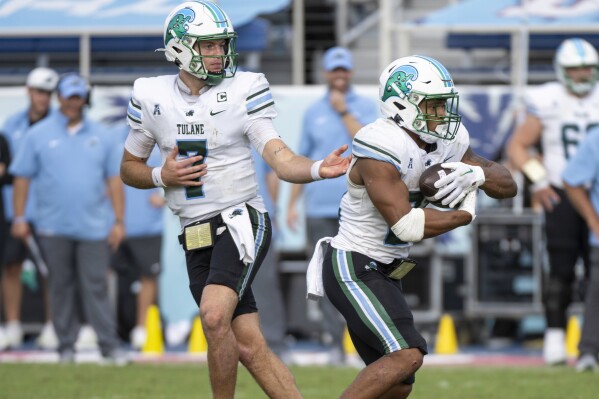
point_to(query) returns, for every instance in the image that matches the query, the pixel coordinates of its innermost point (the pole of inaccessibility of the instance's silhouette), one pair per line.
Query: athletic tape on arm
(410, 228)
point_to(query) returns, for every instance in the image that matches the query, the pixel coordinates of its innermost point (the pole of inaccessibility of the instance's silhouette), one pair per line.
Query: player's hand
(20, 230)
(455, 186)
(334, 164)
(116, 236)
(183, 172)
(547, 197)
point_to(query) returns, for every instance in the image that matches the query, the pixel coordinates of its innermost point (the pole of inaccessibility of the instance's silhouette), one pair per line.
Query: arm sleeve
(260, 132)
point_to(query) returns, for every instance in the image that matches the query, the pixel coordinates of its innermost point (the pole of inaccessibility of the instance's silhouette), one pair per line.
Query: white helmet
(576, 52)
(192, 22)
(408, 81)
(42, 78)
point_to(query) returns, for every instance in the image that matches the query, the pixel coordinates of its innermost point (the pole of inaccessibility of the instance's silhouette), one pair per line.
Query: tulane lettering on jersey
(190, 128)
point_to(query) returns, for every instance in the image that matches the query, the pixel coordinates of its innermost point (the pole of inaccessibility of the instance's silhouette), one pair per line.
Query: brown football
(427, 182)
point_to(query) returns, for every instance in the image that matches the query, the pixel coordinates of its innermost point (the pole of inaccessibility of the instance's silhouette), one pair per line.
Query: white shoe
(47, 338)
(138, 337)
(87, 339)
(14, 334)
(587, 362)
(3, 343)
(554, 346)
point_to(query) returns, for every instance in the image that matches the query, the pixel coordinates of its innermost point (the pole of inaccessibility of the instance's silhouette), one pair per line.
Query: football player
(382, 214)
(559, 114)
(205, 120)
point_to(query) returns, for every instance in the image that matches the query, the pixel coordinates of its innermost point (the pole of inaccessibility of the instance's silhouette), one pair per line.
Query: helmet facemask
(579, 88)
(447, 123)
(197, 66)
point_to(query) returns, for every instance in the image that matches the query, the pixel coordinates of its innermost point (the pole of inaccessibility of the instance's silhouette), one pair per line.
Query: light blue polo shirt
(141, 218)
(70, 174)
(583, 169)
(14, 129)
(324, 131)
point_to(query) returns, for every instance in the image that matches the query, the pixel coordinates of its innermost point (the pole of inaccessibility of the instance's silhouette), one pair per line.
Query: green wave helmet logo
(400, 79)
(178, 24)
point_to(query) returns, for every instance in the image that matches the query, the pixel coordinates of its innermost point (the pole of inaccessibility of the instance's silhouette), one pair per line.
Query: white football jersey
(361, 227)
(216, 127)
(566, 119)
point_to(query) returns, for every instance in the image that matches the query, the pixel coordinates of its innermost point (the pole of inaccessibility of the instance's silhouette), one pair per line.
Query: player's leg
(216, 311)
(267, 369)
(379, 322)
(564, 229)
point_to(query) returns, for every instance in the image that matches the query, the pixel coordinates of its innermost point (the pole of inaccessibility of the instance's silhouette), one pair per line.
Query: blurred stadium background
(486, 276)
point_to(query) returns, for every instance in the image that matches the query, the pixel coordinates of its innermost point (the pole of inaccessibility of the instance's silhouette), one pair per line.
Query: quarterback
(382, 214)
(205, 121)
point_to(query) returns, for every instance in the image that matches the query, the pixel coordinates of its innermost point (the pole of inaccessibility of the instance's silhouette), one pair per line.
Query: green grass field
(33, 381)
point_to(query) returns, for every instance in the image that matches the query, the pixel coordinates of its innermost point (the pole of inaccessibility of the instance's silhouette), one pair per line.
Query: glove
(469, 204)
(457, 184)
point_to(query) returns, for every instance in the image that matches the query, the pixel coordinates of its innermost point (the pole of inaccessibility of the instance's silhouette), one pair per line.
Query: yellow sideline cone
(446, 342)
(572, 337)
(348, 345)
(197, 339)
(154, 343)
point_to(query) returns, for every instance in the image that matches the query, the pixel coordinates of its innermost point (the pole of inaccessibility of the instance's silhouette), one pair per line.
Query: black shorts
(377, 314)
(567, 237)
(139, 254)
(15, 250)
(220, 264)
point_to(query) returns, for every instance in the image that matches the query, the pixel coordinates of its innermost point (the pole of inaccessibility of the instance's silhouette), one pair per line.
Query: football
(427, 183)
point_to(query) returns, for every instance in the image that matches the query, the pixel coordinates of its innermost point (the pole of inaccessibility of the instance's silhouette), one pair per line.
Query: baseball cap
(73, 85)
(42, 78)
(337, 57)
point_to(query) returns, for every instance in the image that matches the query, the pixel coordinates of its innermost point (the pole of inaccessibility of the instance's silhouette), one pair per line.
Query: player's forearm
(438, 222)
(136, 174)
(287, 165)
(499, 183)
(295, 170)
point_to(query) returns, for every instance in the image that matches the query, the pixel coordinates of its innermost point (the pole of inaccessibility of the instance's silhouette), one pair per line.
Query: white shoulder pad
(382, 140)
(259, 102)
